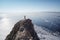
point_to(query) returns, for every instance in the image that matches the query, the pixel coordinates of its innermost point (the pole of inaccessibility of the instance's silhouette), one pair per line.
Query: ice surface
(45, 35)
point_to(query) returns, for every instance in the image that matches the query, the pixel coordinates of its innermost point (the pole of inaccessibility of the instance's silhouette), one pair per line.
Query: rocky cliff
(23, 30)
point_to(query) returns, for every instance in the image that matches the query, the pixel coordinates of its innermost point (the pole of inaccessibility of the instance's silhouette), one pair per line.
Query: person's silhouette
(25, 17)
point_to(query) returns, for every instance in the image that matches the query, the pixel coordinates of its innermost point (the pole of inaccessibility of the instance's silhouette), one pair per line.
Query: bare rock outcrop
(23, 30)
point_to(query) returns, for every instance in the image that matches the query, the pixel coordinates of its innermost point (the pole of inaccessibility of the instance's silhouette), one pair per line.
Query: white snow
(45, 35)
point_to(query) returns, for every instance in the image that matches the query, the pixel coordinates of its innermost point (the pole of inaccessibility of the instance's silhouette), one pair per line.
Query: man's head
(23, 26)
(27, 24)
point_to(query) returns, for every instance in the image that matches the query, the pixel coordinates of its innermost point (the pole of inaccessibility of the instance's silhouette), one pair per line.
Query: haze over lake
(49, 20)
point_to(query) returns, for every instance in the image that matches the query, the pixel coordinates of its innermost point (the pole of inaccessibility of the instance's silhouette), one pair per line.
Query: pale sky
(29, 5)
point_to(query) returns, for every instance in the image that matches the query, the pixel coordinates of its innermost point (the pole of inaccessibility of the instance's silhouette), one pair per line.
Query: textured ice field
(45, 35)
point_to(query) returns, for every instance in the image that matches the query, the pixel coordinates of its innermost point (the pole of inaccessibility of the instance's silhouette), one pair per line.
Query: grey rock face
(23, 30)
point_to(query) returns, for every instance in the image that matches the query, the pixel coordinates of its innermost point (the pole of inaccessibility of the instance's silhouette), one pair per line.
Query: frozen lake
(47, 20)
